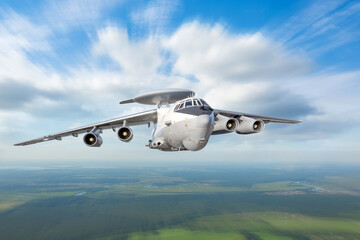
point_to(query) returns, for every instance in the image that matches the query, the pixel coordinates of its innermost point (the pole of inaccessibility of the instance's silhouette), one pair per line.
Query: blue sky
(68, 63)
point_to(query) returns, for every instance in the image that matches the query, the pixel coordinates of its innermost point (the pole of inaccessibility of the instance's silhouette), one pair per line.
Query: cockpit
(190, 102)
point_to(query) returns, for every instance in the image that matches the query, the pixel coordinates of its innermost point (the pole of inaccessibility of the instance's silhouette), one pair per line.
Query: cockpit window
(188, 103)
(203, 102)
(177, 107)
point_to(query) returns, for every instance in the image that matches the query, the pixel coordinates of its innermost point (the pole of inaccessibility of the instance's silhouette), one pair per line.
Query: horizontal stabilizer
(127, 101)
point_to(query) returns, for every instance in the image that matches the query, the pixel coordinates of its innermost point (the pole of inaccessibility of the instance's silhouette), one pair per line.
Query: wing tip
(18, 144)
(283, 120)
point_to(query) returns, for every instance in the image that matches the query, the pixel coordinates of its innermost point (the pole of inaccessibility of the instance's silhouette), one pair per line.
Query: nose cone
(203, 121)
(200, 135)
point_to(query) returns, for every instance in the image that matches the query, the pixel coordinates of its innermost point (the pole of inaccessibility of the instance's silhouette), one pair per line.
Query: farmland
(180, 203)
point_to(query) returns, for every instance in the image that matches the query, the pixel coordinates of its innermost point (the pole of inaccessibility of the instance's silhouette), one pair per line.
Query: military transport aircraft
(185, 125)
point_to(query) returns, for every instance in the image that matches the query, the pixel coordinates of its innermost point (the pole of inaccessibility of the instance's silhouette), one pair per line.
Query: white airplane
(185, 125)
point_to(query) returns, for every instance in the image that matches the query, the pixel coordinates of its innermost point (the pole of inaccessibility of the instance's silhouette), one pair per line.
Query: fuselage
(186, 125)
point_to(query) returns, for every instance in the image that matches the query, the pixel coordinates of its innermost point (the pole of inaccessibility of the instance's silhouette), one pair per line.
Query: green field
(181, 233)
(180, 203)
(260, 225)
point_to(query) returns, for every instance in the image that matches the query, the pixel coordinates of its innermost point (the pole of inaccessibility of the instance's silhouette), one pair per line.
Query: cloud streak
(155, 15)
(321, 27)
(68, 14)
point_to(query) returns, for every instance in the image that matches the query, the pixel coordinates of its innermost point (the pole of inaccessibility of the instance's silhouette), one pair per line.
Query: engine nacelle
(249, 125)
(125, 134)
(224, 124)
(93, 140)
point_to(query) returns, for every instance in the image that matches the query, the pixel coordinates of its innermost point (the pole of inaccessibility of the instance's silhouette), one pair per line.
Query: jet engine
(125, 134)
(93, 139)
(224, 124)
(249, 125)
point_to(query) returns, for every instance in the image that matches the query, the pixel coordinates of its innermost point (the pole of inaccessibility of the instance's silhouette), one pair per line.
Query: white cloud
(18, 37)
(334, 94)
(18, 33)
(212, 55)
(140, 58)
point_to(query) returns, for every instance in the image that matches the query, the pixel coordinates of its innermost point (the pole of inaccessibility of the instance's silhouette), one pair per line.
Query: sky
(65, 64)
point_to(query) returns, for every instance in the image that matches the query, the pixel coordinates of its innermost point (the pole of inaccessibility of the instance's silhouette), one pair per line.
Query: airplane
(180, 122)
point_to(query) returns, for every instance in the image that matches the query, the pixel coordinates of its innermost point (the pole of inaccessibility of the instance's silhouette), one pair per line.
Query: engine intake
(92, 140)
(231, 124)
(249, 125)
(125, 134)
(224, 124)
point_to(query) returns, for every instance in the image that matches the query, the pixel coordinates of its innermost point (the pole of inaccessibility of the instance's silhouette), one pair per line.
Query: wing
(263, 118)
(131, 120)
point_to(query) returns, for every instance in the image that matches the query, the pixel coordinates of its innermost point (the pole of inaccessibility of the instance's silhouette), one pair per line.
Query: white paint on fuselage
(181, 131)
